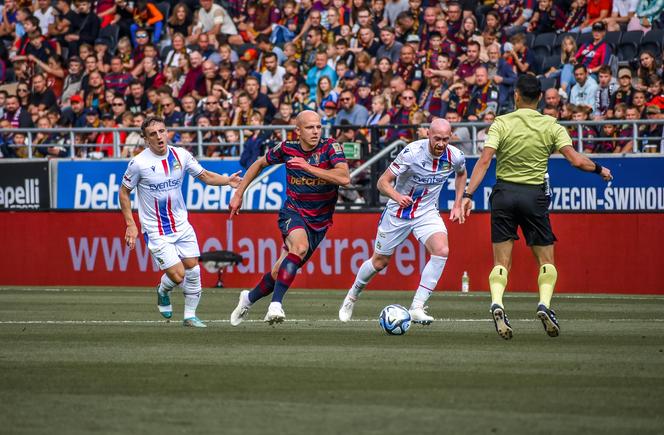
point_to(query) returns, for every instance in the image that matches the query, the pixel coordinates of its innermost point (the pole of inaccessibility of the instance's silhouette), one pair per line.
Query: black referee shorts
(520, 205)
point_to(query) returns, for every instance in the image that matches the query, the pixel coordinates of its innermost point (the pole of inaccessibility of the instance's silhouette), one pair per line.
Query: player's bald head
(440, 126)
(305, 117)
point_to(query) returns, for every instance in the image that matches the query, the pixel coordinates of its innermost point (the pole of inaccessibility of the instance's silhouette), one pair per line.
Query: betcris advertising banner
(95, 185)
(638, 186)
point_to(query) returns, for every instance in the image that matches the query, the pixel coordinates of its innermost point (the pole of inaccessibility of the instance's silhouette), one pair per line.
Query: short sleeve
(131, 176)
(493, 137)
(459, 162)
(336, 153)
(402, 162)
(189, 163)
(560, 137)
(276, 155)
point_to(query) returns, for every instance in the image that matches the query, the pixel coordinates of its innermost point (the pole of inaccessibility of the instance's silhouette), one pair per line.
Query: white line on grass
(138, 322)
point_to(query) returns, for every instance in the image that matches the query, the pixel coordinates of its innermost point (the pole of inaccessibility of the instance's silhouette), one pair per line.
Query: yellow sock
(547, 282)
(497, 284)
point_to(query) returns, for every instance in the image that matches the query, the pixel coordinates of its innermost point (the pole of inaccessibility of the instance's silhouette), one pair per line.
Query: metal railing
(74, 140)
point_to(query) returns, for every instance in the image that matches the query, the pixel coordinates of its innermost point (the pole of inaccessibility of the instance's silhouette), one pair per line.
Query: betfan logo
(21, 197)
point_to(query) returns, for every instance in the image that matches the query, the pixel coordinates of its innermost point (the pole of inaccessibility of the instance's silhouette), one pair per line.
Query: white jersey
(161, 206)
(421, 176)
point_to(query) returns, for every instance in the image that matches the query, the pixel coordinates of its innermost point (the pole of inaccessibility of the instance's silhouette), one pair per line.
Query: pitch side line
(139, 322)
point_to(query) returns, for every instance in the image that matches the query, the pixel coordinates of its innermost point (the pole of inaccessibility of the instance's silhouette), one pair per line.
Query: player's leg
(297, 243)
(504, 223)
(392, 231)
(166, 256)
(538, 233)
(187, 248)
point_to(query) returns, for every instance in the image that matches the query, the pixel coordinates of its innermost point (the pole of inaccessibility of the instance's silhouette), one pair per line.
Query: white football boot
(275, 313)
(418, 315)
(346, 310)
(240, 312)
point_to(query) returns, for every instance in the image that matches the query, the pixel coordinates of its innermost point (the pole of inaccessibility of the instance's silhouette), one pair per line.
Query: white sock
(191, 287)
(430, 276)
(363, 277)
(166, 284)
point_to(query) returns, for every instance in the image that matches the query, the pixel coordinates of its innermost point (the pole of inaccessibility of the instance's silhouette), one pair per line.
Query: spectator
(431, 98)
(648, 67)
(626, 145)
(393, 8)
(483, 95)
(329, 114)
(42, 96)
(466, 69)
(606, 88)
(639, 102)
(487, 117)
(596, 53)
(354, 114)
(608, 141)
(623, 94)
(652, 141)
(180, 21)
(584, 91)
(596, 11)
(655, 95)
(325, 93)
(408, 69)
(547, 18)
(136, 100)
(272, 78)
(521, 56)
(502, 74)
(259, 101)
(189, 111)
(588, 134)
(84, 27)
(401, 115)
(213, 19)
(117, 79)
(576, 16)
(320, 69)
(460, 135)
(390, 47)
(254, 145)
(192, 80)
(622, 13)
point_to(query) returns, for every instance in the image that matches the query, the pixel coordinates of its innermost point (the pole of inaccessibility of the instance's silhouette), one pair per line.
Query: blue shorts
(290, 220)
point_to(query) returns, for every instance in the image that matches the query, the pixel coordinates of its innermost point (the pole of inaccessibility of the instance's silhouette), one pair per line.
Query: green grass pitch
(92, 360)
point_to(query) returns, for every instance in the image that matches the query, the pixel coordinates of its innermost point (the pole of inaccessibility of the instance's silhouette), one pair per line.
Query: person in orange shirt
(147, 16)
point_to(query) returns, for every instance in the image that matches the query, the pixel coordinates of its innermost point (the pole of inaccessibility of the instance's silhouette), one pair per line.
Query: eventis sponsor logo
(428, 180)
(166, 185)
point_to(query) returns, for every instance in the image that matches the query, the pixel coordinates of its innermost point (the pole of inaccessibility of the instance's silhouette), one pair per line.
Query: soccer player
(315, 168)
(420, 171)
(522, 142)
(157, 172)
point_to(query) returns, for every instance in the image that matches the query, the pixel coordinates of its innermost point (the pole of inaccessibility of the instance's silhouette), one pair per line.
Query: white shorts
(392, 231)
(169, 250)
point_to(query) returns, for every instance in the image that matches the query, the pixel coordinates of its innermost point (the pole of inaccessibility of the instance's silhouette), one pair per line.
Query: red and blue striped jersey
(421, 176)
(158, 179)
(313, 198)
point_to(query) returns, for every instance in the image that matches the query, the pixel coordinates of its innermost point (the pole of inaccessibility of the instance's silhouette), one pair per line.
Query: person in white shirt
(413, 183)
(213, 19)
(272, 79)
(44, 13)
(157, 173)
(585, 89)
(621, 14)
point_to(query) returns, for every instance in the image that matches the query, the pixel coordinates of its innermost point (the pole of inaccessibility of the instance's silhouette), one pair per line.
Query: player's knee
(380, 262)
(300, 250)
(441, 251)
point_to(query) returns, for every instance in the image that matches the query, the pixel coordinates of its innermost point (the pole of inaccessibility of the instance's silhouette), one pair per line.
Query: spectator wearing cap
(408, 69)
(363, 94)
(584, 91)
(596, 53)
(320, 69)
(74, 115)
(84, 28)
(349, 81)
(390, 47)
(329, 114)
(355, 114)
(625, 90)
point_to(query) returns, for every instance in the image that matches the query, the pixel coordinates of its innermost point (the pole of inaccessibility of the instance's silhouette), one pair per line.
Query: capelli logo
(21, 197)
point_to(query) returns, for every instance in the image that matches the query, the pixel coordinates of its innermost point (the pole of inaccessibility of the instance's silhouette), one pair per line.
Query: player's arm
(339, 174)
(459, 186)
(213, 179)
(583, 163)
(125, 205)
(479, 171)
(386, 187)
(251, 174)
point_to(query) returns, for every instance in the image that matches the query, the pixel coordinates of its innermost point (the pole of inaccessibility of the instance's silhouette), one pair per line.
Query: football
(394, 320)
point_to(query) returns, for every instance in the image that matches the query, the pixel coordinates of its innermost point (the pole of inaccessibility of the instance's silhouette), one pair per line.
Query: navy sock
(264, 287)
(285, 276)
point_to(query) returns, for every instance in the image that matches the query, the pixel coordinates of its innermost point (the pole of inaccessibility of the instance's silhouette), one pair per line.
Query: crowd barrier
(596, 252)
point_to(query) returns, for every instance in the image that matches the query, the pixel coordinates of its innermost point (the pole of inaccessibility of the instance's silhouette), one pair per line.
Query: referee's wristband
(467, 195)
(598, 168)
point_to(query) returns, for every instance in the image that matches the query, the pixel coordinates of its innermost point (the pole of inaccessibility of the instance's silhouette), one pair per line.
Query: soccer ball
(394, 319)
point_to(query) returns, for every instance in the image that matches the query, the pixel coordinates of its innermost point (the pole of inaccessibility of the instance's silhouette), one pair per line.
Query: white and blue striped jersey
(158, 179)
(421, 176)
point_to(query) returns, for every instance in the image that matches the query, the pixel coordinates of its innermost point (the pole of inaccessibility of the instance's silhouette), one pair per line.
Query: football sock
(547, 282)
(192, 291)
(285, 276)
(364, 275)
(166, 284)
(430, 276)
(264, 287)
(497, 284)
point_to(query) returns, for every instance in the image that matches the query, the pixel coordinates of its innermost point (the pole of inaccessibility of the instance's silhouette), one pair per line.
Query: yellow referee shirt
(524, 140)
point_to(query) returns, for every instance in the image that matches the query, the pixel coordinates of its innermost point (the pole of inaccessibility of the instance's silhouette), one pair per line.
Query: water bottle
(465, 282)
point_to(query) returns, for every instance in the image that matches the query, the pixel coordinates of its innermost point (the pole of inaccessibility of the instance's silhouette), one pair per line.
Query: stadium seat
(632, 37)
(110, 33)
(543, 43)
(547, 83)
(549, 62)
(530, 39)
(613, 39)
(652, 41)
(164, 7)
(627, 52)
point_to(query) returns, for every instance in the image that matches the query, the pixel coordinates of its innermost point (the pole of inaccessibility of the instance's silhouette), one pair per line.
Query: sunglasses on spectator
(117, 104)
(141, 35)
(210, 102)
(344, 99)
(408, 97)
(21, 90)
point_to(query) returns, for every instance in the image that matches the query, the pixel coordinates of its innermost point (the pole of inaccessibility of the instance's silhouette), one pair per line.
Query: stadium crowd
(356, 62)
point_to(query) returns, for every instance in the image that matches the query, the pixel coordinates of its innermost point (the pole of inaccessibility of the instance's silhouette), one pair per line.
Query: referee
(522, 142)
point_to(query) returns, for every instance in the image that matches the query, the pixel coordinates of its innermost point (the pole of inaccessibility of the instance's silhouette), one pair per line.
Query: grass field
(83, 361)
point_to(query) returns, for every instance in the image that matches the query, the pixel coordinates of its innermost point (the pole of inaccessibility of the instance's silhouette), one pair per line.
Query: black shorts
(520, 205)
(290, 220)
